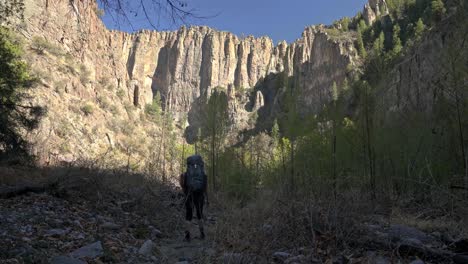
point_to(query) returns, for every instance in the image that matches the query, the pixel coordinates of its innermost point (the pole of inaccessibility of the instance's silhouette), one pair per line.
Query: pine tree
(15, 80)
(397, 47)
(419, 29)
(345, 23)
(379, 45)
(334, 110)
(275, 133)
(216, 124)
(437, 10)
(360, 45)
(9, 9)
(153, 110)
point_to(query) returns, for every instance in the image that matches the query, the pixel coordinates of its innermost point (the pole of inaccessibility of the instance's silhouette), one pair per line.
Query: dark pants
(194, 199)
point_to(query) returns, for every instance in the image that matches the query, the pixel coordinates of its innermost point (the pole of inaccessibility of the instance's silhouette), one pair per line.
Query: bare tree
(154, 11)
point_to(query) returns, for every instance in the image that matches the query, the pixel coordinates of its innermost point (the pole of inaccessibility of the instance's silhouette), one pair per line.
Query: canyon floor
(77, 221)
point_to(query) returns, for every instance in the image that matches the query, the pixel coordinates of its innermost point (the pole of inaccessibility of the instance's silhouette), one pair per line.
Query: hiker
(194, 185)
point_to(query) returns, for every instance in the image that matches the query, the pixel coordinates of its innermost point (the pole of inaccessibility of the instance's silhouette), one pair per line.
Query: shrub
(103, 102)
(41, 45)
(60, 86)
(87, 109)
(84, 75)
(120, 93)
(98, 11)
(153, 111)
(110, 87)
(63, 129)
(114, 110)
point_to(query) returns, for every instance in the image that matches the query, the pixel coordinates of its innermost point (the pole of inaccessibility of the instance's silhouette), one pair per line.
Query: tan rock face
(183, 66)
(374, 9)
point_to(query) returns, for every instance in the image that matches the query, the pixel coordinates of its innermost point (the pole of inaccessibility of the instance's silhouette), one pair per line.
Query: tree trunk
(369, 148)
(334, 160)
(292, 168)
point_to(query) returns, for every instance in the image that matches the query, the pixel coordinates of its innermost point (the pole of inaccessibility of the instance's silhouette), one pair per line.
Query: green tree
(360, 45)
(9, 9)
(437, 10)
(360, 41)
(216, 121)
(366, 119)
(419, 29)
(333, 116)
(153, 110)
(345, 23)
(396, 41)
(15, 80)
(379, 45)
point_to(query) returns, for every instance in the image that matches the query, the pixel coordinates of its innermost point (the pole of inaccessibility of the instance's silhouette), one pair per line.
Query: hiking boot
(200, 227)
(187, 236)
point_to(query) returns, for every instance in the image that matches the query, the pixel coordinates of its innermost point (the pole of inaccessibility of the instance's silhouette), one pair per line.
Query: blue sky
(278, 19)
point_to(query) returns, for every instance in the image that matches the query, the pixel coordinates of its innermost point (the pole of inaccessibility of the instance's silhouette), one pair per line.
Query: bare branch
(175, 11)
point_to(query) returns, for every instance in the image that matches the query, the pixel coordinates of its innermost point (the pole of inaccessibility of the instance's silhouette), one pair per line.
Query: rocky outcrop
(183, 66)
(188, 63)
(374, 9)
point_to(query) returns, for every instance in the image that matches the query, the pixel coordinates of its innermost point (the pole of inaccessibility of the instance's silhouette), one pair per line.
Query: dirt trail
(176, 250)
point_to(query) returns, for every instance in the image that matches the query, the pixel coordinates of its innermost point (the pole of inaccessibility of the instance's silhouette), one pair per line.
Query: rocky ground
(41, 228)
(47, 228)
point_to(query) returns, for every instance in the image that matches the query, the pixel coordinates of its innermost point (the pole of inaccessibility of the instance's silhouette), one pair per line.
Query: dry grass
(318, 226)
(298, 226)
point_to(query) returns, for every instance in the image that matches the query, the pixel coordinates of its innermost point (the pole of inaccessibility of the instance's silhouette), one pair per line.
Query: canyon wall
(120, 73)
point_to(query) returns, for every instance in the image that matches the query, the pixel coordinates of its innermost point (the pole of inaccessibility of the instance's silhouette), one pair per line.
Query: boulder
(147, 248)
(66, 260)
(401, 232)
(281, 256)
(89, 251)
(110, 226)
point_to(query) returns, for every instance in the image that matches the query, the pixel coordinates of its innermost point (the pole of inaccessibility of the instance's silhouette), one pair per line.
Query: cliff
(183, 65)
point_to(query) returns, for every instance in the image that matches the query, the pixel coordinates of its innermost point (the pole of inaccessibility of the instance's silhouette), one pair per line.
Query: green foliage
(15, 80)
(9, 9)
(41, 45)
(342, 24)
(153, 110)
(114, 110)
(121, 93)
(87, 109)
(98, 11)
(396, 42)
(378, 47)
(334, 91)
(103, 102)
(396, 7)
(85, 75)
(60, 86)
(437, 10)
(345, 23)
(419, 29)
(359, 41)
(215, 121)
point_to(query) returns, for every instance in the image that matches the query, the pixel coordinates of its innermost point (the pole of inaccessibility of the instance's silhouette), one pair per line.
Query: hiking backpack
(195, 175)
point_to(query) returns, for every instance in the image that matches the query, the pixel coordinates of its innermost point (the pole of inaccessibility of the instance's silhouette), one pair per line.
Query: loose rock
(90, 251)
(66, 260)
(147, 248)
